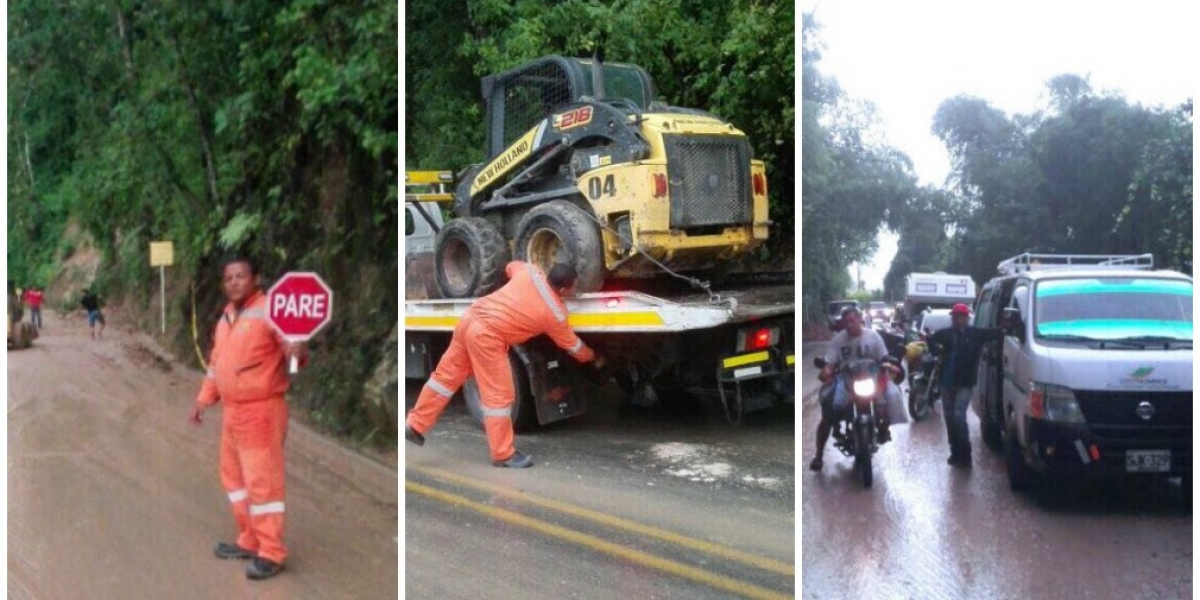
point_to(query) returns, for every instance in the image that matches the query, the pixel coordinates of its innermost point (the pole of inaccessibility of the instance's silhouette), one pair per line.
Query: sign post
(162, 255)
(298, 306)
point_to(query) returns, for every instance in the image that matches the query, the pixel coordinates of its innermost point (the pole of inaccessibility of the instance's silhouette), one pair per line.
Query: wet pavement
(926, 530)
(666, 503)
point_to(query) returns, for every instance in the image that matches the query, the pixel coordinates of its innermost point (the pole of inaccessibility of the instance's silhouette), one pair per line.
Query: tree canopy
(1091, 173)
(262, 128)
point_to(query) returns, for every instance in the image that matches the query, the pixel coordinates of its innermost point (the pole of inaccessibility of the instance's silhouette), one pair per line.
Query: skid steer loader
(585, 166)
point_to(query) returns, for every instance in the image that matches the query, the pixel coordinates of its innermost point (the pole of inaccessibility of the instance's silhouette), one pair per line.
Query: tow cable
(732, 414)
(705, 286)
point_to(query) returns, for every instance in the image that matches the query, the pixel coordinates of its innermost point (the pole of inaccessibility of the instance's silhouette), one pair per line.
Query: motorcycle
(863, 382)
(923, 387)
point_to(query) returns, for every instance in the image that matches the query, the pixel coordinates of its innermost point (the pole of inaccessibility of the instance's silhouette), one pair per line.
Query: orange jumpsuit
(524, 307)
(247, 371)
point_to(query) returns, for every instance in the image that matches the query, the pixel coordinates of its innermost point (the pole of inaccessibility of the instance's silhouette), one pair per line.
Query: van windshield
(1114, 308)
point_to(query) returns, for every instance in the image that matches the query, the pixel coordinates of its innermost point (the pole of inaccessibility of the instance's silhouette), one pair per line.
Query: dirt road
(112, 495)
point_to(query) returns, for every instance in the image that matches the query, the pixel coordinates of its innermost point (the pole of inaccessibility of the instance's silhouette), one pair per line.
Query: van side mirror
(1012, 324)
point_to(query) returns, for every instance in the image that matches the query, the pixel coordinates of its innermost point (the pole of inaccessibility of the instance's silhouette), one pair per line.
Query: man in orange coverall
(247, 371)
(529, 304)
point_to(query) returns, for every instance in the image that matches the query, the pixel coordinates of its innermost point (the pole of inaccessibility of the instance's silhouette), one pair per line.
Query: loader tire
(559, 231)
(469, 257)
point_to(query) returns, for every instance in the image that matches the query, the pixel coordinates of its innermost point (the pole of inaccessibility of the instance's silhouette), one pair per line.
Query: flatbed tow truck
(735, 339)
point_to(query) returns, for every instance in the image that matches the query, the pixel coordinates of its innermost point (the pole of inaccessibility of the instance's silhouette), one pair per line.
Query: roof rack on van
(1032, 262)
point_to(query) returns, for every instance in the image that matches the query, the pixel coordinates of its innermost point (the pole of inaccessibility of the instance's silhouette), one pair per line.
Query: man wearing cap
(959, 347)
(853, 342)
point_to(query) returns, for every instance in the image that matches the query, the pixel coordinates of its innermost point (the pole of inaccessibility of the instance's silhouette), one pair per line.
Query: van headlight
(1054, 403)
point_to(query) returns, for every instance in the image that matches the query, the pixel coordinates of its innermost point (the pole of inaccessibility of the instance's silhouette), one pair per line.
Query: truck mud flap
(559, 384)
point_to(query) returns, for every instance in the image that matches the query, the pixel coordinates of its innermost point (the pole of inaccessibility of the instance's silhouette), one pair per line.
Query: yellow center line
(725, 552)
(727, 584)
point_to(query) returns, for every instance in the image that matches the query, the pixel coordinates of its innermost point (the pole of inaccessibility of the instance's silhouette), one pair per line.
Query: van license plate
(1148, 461)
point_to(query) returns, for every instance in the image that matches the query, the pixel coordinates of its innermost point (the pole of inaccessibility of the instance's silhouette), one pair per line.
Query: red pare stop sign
(299, 305)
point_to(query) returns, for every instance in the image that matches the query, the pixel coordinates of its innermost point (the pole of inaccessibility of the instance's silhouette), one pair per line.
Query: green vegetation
(264, 128)
(735, 59)
(1089, 174)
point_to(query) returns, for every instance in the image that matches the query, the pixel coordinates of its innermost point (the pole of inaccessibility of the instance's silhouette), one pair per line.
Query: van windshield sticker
(1124, 286)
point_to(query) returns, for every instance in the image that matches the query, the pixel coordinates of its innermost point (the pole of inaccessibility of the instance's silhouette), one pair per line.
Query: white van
(1094, 376)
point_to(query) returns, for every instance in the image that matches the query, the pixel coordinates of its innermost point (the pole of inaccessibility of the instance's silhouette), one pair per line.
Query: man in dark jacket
(959, 347)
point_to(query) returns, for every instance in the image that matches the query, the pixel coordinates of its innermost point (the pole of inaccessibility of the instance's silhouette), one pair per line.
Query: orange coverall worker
(524, 307)
(247, 371)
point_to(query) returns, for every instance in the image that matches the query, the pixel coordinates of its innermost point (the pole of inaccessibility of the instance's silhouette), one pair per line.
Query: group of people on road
(33, 297)
(959, 347)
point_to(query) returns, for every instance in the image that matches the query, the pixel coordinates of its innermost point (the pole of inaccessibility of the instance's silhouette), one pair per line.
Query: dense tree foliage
(263, 128)
(1093, 174)
(1089, 174)
(854, 182)
(735, 59)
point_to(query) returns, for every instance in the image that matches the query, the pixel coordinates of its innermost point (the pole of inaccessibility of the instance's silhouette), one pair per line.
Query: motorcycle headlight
(1054, 403)
(864, 388)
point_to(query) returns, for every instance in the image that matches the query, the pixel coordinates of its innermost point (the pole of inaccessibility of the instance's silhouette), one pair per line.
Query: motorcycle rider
(852, 342)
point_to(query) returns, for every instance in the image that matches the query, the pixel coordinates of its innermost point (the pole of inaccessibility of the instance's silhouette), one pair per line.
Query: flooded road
(926, 530)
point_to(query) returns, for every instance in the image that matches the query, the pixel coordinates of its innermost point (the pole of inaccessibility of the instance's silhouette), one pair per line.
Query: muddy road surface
(112, 495)
(634, 503)
(929, 531)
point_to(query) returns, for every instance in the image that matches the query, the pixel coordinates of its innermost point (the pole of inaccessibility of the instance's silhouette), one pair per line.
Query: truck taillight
(760, 184)
(660, 185)
(759, 339)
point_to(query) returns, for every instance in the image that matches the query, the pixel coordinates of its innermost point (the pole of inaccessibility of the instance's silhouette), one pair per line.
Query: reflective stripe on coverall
(247, 372)
(524, 307)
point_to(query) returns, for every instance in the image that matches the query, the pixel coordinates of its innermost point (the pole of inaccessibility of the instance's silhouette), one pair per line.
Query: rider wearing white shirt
(853, 342)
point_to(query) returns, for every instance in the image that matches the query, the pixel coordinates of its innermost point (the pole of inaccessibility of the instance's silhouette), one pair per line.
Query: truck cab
(1094, 374)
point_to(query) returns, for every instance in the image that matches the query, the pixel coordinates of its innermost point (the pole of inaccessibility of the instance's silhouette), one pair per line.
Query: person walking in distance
(33, 299)
(960, 346)
(91, 303)
(531, 303)
(248, 372)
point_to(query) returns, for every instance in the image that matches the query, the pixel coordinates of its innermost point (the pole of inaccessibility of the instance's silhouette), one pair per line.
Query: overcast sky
(906, 57)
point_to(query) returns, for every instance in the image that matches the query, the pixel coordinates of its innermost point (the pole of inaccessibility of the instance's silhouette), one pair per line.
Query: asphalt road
(621, 504)
(927, 531)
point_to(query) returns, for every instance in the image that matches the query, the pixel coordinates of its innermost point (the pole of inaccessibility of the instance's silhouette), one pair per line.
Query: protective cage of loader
(584, 166)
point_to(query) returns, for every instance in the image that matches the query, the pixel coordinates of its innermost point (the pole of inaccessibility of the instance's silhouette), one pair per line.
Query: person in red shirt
(530, 304)
(33, 299)
(248, 372)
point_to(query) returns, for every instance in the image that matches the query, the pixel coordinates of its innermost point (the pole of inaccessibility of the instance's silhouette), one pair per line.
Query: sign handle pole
(162, 288)
(294, 365)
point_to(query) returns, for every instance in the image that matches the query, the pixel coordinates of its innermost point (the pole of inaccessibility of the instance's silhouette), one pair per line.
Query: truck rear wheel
(469, 258)
(524, 414)
(559, 231)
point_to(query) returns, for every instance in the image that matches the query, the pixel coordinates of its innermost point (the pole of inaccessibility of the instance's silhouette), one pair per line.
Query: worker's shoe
(516, 461)
(261, 568)
(224, 550)
(413, 436)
